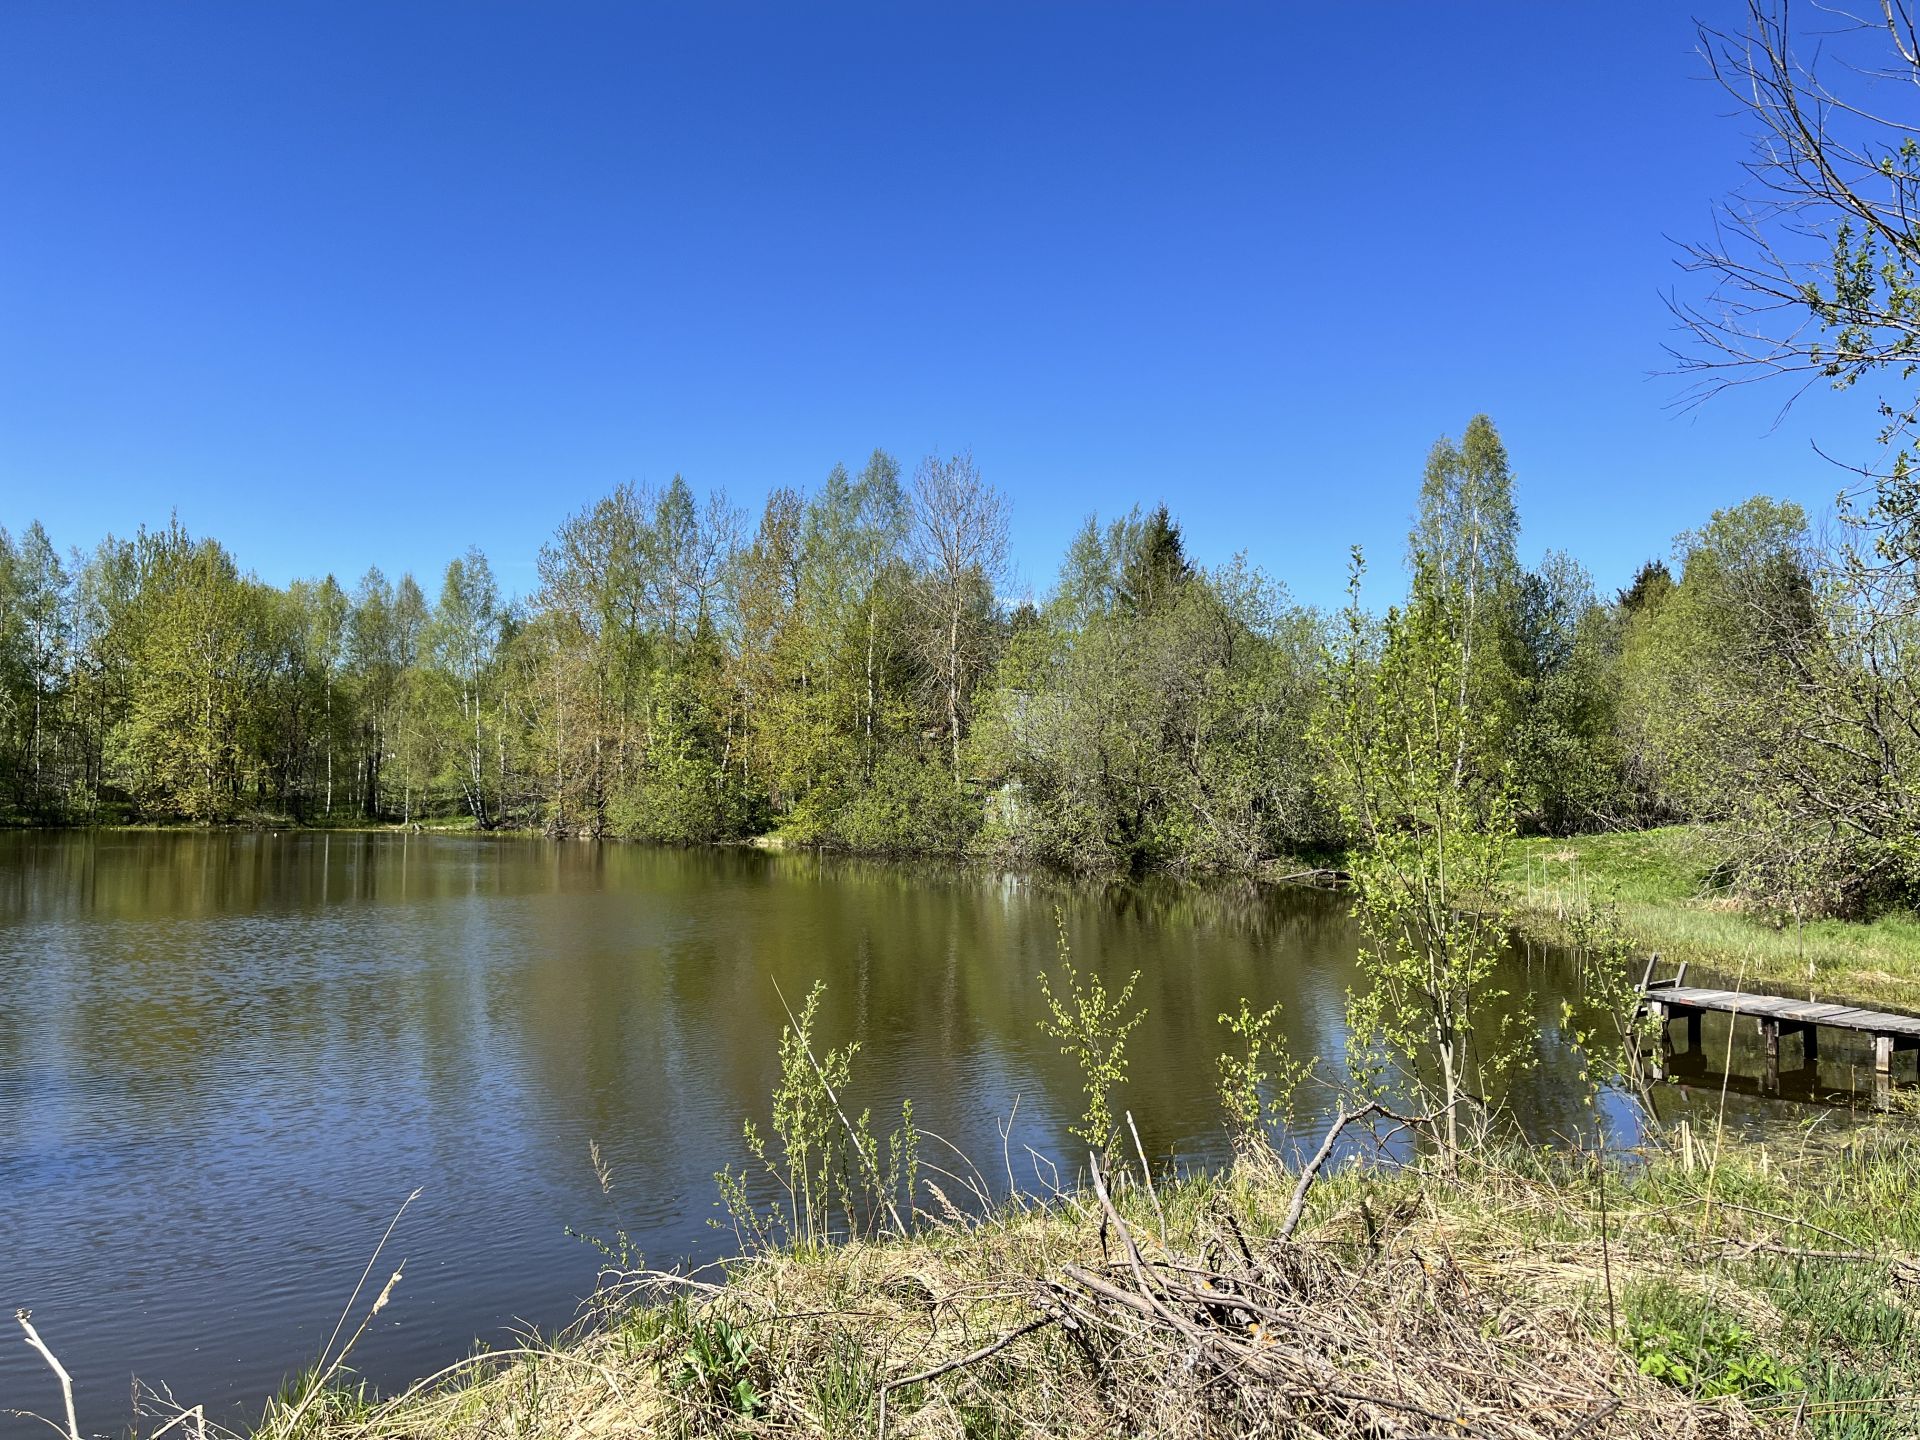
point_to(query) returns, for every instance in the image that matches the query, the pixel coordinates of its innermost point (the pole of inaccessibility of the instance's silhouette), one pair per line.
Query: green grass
(1657, 867)
(1779, 1274)
(1663, 883)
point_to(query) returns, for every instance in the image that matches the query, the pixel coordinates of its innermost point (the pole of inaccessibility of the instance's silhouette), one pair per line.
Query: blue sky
(366, 283)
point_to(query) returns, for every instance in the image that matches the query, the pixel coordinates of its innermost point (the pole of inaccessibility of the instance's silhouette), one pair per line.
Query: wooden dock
(1777, 1016)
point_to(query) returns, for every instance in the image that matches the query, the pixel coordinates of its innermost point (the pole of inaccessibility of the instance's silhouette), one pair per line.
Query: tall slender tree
(464, 637)
(1464, 538)
(960, 536)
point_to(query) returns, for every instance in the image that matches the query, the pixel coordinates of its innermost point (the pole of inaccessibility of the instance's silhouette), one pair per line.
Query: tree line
(848, 671)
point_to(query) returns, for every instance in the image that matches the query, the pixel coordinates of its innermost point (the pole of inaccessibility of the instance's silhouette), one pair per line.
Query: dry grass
(1692, 1290)
(1411, 1304)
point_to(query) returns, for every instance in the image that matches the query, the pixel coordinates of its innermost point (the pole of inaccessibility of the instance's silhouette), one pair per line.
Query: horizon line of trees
(846, 671)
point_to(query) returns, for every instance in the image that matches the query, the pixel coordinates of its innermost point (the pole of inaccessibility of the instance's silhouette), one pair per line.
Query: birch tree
(1431, 839)
(960, 541)
(1464, 540)
(466, 629)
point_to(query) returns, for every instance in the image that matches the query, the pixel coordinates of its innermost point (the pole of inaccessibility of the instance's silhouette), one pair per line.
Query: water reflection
(224, 1059)
(1717, 1067)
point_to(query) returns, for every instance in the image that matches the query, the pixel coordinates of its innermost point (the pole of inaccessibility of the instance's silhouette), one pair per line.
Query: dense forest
(846, 672)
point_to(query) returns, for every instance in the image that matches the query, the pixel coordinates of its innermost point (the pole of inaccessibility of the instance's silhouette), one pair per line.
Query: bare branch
(25, 1317)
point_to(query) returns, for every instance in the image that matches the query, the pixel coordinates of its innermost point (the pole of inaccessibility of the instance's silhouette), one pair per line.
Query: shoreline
(1660, 884)
(1516, 1294)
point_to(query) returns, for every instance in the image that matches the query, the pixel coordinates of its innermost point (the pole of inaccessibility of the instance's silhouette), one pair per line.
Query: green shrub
(911, 806)
(837, 1180)
(1092, 1028)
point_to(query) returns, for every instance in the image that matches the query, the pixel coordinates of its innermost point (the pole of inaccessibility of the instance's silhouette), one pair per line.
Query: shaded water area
(225, 1059)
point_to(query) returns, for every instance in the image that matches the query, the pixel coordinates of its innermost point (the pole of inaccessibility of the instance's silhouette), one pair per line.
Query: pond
(225, 1060)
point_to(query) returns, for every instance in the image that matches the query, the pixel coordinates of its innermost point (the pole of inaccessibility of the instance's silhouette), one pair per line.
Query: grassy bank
(1684, 1292)
(1663, 884)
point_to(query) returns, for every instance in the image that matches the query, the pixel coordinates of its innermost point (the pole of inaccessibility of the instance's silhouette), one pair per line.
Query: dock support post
(1693, 1031)
(1809, 1044)
(1883, 1054)
(1770, 1033)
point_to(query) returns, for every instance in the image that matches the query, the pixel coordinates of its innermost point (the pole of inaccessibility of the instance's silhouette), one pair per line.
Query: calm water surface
(226, 1059)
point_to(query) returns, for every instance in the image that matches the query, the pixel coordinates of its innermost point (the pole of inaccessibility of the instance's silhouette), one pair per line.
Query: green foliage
(202, 640)
(1467, 579)
(1606, 1027)
(958, 534)
(35, 639)
(1419, 787)
(1563, 746)
(462, 641)
(1258, 1080)
(1092, 1028)
(909, 807)
(1153, 714)
(836, 1181)
(1770, 693)
(721, 1367)
(1681, 1337)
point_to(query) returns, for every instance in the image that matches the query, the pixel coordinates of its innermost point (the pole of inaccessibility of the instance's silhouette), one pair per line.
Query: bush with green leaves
(1258, 1080)
(911, 806)
(837, 1182)
(1092, 1028)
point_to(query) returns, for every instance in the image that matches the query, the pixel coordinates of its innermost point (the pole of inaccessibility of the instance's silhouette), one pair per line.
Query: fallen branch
(973, 1357)
(198, 1415)
(25, 1317)
(1146, 1173)
(1298, 1206)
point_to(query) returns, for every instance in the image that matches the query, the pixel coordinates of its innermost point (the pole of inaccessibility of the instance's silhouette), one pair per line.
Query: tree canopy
(847, 671)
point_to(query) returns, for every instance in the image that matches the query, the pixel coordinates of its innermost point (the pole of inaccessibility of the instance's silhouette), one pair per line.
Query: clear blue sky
(356, 283)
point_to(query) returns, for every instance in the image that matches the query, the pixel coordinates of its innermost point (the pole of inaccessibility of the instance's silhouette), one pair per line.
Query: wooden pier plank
(1677, 999)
